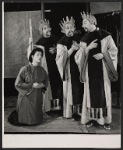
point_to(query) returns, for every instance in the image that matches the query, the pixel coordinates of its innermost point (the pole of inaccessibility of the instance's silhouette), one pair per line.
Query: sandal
(89, 124)
(107, 127)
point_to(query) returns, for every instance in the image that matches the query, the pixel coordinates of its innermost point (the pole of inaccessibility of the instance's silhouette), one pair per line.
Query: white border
(62, 141)
(53, 140)
(2, 69)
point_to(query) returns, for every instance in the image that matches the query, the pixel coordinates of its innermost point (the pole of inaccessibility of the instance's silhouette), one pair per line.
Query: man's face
(46, 31)
(69, 30)
(86, 25)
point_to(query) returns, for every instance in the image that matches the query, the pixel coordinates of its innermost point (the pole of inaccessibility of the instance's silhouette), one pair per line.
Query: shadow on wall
(9, 88)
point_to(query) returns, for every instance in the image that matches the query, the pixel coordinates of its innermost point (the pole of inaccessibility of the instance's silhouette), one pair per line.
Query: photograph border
(56, 141)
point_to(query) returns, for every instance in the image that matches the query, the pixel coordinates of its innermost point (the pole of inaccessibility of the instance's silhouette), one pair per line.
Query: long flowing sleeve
(81, 60)
(110, 57)
(61, 60)
(113, 51)
(23, 87)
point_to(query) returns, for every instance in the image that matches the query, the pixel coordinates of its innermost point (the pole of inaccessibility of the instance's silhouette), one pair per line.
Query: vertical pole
(42, 10)
(88, 9)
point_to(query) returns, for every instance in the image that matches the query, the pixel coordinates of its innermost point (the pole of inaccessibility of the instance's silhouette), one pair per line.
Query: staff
(30, 48)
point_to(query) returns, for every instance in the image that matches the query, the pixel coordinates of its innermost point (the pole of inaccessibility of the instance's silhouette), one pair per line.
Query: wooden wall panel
(104, 7)
(16, 37)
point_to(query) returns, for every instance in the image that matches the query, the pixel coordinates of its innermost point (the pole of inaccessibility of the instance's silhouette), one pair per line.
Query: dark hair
(33, 53)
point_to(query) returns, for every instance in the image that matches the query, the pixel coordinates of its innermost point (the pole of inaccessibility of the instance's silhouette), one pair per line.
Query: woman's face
(37, 57)
(69, 30)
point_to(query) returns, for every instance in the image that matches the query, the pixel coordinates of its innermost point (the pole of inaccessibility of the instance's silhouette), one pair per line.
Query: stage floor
(55, 123)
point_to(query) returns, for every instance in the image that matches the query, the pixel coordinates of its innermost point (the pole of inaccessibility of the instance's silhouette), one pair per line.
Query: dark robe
(30, 100)
(98, 110)
(54, 76)
(95, 69)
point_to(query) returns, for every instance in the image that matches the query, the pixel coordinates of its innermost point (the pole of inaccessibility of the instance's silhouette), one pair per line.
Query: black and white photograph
(61, 74)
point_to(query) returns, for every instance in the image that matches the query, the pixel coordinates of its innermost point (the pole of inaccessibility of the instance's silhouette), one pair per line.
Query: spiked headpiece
(68, 21)
(42, 23)
(89, 17)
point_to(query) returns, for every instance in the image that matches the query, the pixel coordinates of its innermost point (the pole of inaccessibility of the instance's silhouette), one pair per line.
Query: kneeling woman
(31, 83)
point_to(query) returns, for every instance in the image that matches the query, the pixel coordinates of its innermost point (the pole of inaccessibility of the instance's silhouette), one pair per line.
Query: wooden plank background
(16, 39)
(104, 7)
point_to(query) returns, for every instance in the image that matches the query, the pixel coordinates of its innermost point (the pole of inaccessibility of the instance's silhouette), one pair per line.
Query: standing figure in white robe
(97, 61)
(67, 47)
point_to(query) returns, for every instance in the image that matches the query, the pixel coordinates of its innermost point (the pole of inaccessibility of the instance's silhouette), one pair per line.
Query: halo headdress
(67, 21)
(42, 23)
(89, 17)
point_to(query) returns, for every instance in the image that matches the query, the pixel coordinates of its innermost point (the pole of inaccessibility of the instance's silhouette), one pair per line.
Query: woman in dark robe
(31, 83)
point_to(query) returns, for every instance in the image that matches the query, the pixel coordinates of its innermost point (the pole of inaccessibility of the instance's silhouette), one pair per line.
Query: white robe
(62, 59)
(107, 44)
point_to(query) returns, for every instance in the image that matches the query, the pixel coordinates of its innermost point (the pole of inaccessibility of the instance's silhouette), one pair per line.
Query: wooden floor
(55, 123)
